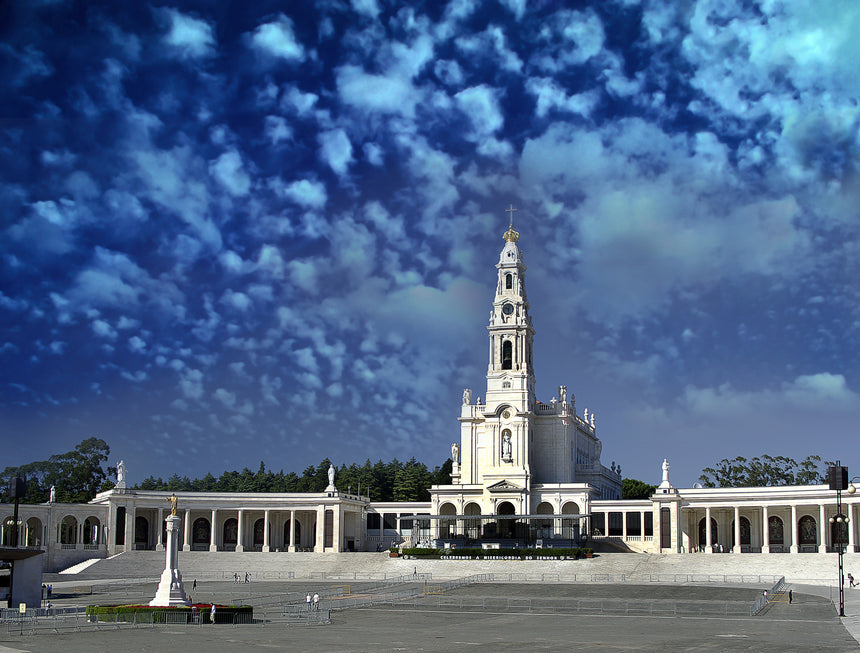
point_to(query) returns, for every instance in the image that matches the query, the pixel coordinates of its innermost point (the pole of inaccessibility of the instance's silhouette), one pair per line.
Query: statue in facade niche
(120, 472)
(562, 394)
(585, 415)
(331, 475)
(455, 453)
(592, 420)
(467, 397)
(506, 447)
(52, 496)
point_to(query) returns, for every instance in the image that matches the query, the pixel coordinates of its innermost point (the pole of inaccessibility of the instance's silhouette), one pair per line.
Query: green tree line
(392, 481)
(77, 475)
(764, 471)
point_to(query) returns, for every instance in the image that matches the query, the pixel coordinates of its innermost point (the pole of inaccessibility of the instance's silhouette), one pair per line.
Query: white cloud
(191, 383)
(137, 345)
(298, 101)
(307, 193)
(277, 129)
(224, 397)
(550, 96)
(172, 179)
(103, 329)
(366, 7)
(271, 261)
(336, 150)
(236, 300)
(386, 94)
(188, 37)
(230, 172)
(278, 39)
(820, 392)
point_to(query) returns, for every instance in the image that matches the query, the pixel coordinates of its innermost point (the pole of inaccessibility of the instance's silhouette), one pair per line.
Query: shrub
(159, 614)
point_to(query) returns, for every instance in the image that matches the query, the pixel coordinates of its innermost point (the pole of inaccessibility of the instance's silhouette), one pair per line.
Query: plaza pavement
(809, 624)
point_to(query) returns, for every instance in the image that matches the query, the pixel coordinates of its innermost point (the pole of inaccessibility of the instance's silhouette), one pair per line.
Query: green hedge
(224, 614)
(522, 554)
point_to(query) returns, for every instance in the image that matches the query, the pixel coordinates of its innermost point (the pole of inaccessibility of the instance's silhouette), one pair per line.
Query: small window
(509, 281)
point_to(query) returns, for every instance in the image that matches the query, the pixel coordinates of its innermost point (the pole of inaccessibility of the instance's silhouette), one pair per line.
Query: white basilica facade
(525, 473)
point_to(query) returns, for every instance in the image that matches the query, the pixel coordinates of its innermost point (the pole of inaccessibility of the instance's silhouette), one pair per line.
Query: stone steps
(635, 567)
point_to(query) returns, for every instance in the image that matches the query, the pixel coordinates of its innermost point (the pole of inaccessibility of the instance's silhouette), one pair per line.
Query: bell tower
(510, 376)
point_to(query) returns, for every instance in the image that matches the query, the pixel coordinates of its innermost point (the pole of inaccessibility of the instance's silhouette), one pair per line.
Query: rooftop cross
(511, 236)
(511, 211)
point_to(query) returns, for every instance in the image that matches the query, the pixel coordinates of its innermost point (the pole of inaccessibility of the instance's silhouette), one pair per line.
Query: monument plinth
(170, 589)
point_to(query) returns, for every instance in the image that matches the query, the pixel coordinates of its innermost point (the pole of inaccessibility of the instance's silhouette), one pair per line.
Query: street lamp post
(838, 480)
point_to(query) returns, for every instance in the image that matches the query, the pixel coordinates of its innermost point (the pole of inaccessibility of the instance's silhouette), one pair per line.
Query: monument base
(170, 591)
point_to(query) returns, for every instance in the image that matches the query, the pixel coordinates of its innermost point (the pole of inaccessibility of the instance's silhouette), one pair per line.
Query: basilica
(525, 473)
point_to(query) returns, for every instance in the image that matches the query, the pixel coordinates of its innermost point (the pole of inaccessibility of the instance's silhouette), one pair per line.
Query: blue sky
(236, 232)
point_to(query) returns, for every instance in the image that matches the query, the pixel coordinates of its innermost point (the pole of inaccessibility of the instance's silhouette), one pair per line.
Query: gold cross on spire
(511, 236)
(511, 211)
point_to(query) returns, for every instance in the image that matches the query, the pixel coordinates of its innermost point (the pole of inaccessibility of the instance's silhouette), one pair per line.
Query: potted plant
(393, 552)
(588, 552)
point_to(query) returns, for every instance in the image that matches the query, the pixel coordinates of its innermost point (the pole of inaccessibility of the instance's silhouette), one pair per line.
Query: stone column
(170, 589)
(159, 544)
(240, 536)
(186, 539)
(709, 541)
(319, 545)
(793, 548)
(642, 525)
(737, 546)
(336, 534)
(765, 531)
(624, 525)
(129, 527)
(266, 547)
(849, 511)
(822, 530)
(213, 543)
(291, 545)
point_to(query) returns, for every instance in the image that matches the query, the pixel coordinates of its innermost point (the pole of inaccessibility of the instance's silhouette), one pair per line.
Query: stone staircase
(818, 569)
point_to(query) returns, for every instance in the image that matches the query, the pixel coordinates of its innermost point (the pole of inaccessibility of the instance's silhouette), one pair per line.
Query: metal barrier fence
(31, 624)
(759, 605)
(632, 607)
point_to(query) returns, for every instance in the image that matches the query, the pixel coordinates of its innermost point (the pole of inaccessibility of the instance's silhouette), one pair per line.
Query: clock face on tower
(507, 309)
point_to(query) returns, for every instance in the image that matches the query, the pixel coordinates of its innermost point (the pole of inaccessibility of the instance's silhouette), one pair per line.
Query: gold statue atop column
(173, 500)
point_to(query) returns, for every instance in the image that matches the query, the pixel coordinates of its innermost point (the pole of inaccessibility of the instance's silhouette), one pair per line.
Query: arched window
(807, 529)
(507, 355)
(259, 533)
(509, 281)
(141, 532)
(745, 532)
(703, 536)
(201, 532)
(92, 526)
(230, 532)
(447, 527)
(774, 527)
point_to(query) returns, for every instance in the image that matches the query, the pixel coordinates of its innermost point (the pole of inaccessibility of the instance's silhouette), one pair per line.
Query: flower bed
(196, 613)
(492, 554)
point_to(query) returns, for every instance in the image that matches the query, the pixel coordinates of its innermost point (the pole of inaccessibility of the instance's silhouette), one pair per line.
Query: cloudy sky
(234, 232)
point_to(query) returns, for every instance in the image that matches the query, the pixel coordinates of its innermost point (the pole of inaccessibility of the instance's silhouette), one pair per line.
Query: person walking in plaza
(790, 597)
(316, 601)
(308, 601)
(851, 582)
(212, 614)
